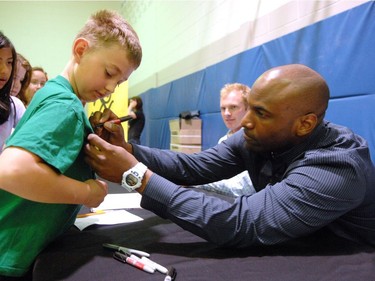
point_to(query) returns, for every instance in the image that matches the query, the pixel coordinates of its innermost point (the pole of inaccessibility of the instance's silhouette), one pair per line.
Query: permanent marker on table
(116, 121)
(134, 261)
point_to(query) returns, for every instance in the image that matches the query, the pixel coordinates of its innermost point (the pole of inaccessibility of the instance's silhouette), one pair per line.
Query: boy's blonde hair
(109, 27)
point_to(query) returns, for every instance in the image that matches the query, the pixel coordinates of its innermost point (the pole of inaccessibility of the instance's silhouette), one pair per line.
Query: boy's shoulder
(58, 82)
(57, 88)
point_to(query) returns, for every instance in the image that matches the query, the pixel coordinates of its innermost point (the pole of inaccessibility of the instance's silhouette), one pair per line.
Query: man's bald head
(286, 104)
(301, 87)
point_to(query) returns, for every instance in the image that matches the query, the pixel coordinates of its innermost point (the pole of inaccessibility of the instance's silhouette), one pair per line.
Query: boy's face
(97, 72)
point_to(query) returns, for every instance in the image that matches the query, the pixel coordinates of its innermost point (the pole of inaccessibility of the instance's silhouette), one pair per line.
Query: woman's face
(6, 60)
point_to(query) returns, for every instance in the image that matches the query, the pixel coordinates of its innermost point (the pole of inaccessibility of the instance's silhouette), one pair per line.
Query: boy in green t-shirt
(43, 177)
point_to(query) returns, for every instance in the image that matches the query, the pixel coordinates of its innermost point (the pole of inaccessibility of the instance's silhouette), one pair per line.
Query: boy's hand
(98, 190)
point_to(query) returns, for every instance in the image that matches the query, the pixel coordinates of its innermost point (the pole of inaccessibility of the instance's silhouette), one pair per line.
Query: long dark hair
(5, 100)
(139, 102)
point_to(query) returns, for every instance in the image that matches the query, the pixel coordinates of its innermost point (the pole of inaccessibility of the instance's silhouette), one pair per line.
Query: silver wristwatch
(132, 179)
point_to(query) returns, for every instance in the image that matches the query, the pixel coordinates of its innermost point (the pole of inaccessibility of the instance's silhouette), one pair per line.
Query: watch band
(132, 179)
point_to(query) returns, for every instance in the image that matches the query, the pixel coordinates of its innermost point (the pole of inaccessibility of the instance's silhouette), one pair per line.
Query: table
(79, 255)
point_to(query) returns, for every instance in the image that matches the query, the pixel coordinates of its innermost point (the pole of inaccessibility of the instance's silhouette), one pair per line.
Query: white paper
(120, 201)
(107, 218)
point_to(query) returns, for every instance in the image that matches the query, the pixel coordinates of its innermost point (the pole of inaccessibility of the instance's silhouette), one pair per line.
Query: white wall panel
(180, 37)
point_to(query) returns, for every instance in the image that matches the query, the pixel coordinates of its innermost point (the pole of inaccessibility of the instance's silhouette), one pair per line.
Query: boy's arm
(26, 175)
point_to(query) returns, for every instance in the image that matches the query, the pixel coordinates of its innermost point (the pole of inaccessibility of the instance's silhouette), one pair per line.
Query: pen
(134, 261)
(98, 212)
(116, 121)
(171, 274)
(125, 250)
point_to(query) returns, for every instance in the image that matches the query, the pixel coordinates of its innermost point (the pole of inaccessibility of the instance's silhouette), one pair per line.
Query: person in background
(43, 161)
(233, 107)
(136, 125)
(311, 176)
(22, 77)
(38, 79)
(11, 108)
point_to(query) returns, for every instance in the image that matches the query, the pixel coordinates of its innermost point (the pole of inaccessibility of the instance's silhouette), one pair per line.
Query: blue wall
(341, 48)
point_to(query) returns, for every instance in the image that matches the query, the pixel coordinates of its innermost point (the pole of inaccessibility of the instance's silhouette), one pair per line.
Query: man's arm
(220, 162)
(26, 175)
(295, 207)
(175, 166)
(309, 197)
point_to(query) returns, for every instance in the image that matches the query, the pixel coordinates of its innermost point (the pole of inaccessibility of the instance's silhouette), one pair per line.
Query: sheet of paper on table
(109, 217)
(120, 201)
(111, 211)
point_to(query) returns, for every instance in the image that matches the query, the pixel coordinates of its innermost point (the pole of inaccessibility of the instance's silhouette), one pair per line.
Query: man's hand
(97, 191)
(112, 133)
(107, 160)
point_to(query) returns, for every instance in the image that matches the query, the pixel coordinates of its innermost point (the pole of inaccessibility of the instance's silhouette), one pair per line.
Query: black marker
(116, 121)
(171, 274)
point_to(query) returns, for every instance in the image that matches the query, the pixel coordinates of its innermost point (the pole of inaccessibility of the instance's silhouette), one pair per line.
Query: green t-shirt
(55, 128)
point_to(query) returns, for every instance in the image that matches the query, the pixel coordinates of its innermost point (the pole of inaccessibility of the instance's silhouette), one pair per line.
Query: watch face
(131, 180)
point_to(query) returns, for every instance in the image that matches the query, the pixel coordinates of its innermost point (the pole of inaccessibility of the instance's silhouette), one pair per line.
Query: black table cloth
(79, 255)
